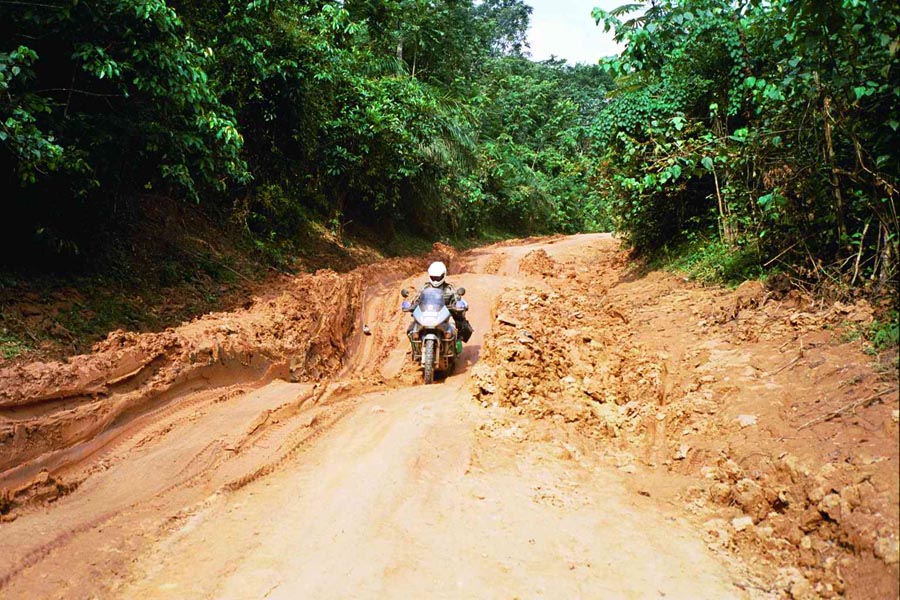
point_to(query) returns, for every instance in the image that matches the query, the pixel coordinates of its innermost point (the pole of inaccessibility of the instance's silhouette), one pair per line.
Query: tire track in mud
(111, 425)
(36, 555)
(335, 404)
(292, 446)
(48, 408)
(101, 454)
(290, 427)
(329, 404)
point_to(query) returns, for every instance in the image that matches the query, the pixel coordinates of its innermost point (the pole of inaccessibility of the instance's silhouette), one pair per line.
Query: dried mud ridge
(789, 438)
(54, 416)
(737, 408)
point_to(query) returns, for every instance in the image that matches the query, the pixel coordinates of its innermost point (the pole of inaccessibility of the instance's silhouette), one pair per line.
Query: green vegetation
(729, 137)
(884, 334)
(877, 336)
(711, 261)
(403, 115)
(768, 126)
(11, 346)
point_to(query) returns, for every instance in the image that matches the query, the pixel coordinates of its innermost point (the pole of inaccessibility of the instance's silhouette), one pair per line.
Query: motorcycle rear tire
(428, 361)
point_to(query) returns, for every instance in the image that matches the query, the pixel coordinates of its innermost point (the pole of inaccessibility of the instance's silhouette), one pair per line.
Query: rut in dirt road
(358, 481)
(174, 470)
(413, 495)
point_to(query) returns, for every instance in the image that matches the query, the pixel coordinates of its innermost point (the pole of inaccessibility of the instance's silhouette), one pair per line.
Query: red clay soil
(55, 413)
(743, 406)
(598, 418)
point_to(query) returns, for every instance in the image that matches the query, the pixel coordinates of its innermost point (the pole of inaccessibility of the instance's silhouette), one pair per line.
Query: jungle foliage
(763, 131)
(764, 128)
(416, 115)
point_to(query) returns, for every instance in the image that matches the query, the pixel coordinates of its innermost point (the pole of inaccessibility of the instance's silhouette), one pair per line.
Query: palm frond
(626, 8)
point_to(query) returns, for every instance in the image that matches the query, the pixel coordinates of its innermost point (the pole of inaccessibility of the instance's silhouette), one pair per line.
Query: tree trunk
(725, 232)
(887, 257)
(835, 180)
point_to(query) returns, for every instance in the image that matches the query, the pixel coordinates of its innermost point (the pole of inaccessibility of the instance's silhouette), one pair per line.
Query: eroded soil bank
(54, 415)
(742, 407)
(600, 419)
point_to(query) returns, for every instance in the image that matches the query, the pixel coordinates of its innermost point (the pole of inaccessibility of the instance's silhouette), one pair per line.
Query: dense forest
(420, 115)
(756, 134)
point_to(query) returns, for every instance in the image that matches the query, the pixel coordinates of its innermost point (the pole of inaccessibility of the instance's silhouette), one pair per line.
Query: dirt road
(227, 480)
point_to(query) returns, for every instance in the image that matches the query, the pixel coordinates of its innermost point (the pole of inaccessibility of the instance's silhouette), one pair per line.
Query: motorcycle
(433, 336)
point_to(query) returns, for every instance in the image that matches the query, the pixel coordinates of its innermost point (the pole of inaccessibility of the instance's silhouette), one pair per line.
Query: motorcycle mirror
(461, 291)
(404, 292)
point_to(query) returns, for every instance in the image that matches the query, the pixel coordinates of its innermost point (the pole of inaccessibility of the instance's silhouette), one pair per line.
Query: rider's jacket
(450, 297)
(450, 300)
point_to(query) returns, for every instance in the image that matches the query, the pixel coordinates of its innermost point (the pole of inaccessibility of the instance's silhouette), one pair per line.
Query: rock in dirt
(751, 497)
(831, 506)
(483, 380)
(717, 532)
(860, 312)
(888, 550)
(792, 581)
(749, 294)
(507, 320)
(742, 523)
(746, 420)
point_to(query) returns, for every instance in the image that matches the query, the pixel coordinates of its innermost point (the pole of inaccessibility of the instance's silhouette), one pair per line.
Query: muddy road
(583, 448)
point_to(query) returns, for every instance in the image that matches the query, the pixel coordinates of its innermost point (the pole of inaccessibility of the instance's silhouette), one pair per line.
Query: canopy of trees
(770, 125)
(412, 113)
(765, 127)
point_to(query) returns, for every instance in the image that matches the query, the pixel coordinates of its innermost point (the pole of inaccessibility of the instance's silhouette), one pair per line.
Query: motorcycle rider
(437, 278)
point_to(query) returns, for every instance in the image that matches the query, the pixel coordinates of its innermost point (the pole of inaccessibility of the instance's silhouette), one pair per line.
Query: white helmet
(437, 272)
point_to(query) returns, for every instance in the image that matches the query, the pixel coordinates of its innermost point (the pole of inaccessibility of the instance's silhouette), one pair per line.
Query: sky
(565, 28)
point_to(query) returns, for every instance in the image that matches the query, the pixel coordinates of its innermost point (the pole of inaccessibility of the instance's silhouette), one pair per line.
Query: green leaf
(740, 135)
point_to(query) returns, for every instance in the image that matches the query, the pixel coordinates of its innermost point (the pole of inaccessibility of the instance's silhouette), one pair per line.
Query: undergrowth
(886, 333)
(11, 345)
(711, 261)
(877, 336)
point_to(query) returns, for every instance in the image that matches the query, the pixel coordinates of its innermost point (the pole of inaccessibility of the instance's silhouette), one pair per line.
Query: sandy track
(400, 501)
(360, 483)
(405, 498)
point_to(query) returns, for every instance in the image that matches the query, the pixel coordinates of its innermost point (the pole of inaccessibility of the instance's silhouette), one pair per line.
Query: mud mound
(447, 254)
(533, 239)
(300, 331)
(494, 263)
(538, 263)
(556, 356)
(789, 436)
